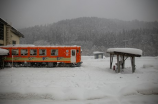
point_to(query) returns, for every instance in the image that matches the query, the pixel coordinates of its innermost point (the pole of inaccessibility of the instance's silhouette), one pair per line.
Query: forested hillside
(96, 34)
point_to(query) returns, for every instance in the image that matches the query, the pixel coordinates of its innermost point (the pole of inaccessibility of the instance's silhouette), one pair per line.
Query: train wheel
(61, 64)
(78, 65)
(50, 64)
(15, 65)
(72, 65)
(54, 64)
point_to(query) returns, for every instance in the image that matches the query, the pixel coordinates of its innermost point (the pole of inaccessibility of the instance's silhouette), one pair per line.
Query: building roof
(98, 52)
(16, 32)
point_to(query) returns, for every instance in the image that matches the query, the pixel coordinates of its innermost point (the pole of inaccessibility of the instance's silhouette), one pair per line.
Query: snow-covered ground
(92, 83)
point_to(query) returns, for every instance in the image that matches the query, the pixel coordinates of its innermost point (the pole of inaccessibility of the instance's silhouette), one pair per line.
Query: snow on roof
(125, 50)
(97, 52)
(31, 45)
(3, 52)
(20, 45)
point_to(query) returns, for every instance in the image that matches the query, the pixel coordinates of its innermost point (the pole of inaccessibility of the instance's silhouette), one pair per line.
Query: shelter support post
(111, 60)
(123, 61)
(133, 64)
(118, 63)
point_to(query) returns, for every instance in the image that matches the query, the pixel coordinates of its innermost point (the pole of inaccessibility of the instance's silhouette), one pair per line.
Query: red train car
(30, 55)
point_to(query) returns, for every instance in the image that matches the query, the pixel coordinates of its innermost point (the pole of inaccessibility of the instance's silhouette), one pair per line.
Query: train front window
(24, 52)
(77, 51)
(54, 52)
(42, 52)
(33, 52)
(15, 52)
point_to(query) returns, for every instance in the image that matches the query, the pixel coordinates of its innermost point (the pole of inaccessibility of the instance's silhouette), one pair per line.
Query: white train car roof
(30, 45)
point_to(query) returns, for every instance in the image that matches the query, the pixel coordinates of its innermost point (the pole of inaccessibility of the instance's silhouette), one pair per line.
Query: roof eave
(17, 32)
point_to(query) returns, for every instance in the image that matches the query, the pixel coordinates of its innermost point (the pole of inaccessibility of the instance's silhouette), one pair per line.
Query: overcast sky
(25, 13)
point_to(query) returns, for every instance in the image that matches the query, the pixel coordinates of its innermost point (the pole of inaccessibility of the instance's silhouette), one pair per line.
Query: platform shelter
(3, 53)
(122, 54)
(98, 55)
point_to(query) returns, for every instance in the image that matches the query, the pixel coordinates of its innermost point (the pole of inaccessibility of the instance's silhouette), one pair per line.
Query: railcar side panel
(43, 54)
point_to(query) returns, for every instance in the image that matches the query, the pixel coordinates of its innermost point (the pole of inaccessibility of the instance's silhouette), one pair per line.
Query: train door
(73, 56)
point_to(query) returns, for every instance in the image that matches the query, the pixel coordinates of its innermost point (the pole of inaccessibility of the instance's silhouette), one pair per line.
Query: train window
(73, 52)
(42, 52)
(77, 51)
(24, 52)
(15, 52)
(33, 51)
(54, 52)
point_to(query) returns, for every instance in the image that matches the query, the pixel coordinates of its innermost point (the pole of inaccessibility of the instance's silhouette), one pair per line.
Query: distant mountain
(94, 33)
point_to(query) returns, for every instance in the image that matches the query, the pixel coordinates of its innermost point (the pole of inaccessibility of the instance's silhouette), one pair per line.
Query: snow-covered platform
(92, 83)
(124, 53)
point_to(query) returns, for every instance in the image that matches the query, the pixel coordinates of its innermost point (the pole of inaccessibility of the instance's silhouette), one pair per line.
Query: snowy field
(92, 83)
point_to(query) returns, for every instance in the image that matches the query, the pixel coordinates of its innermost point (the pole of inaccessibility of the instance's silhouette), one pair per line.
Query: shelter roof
(3, 52)
(128, 51)
(98, 52)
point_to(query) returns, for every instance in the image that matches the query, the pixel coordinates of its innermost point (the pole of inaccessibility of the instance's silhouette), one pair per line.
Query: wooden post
(133, 63)
(118, 64)
(123, 61)
(111, 60)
